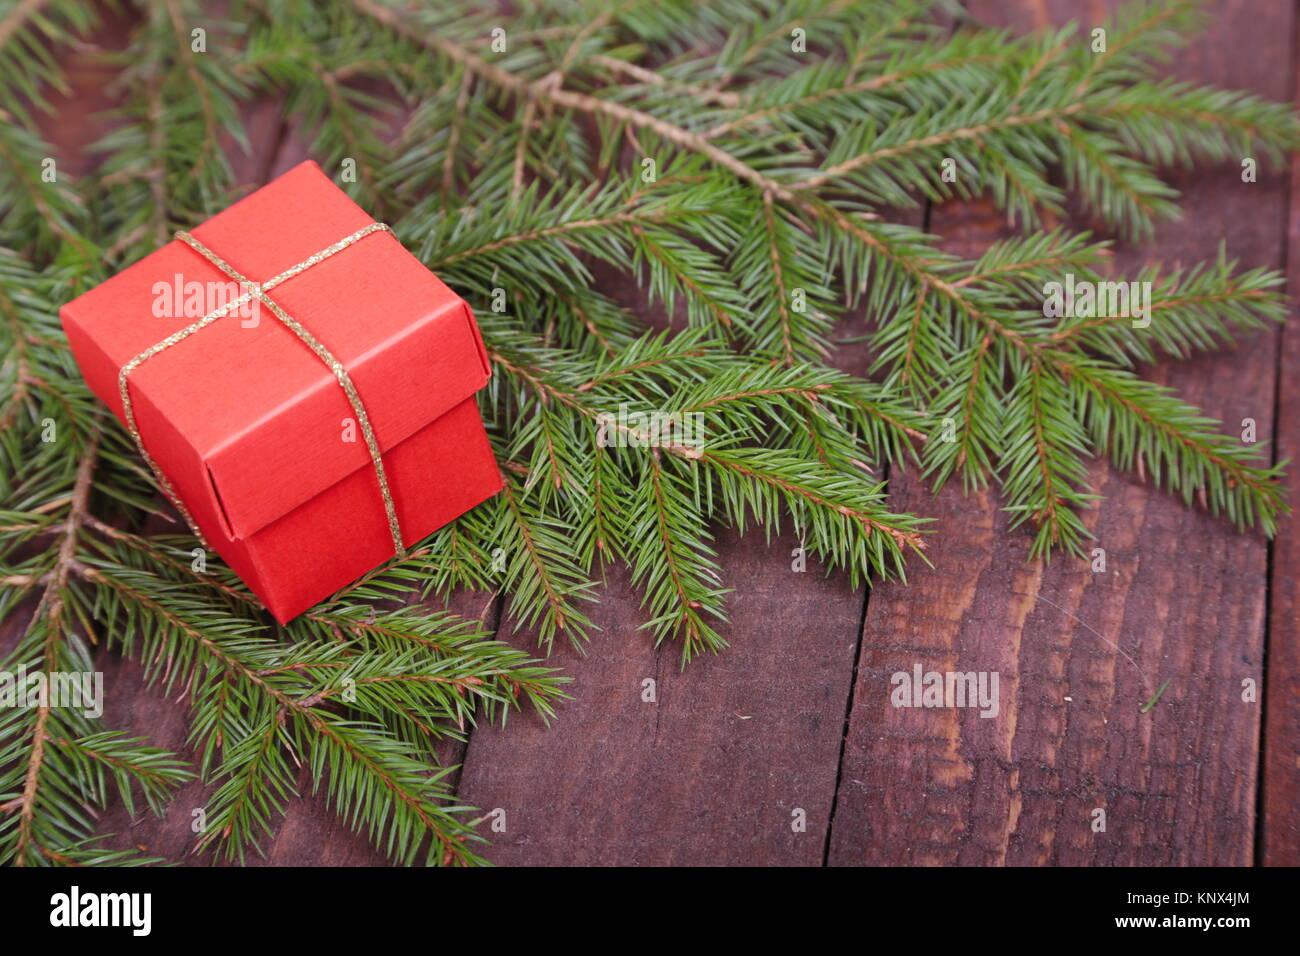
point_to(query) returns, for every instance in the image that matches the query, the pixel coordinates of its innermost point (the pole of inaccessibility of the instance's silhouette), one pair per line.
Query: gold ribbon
(258, 290)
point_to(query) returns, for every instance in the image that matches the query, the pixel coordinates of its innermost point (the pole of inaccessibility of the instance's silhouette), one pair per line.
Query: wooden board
(718, 767)
(1183, 596)
(734, 750)
(1279, 837)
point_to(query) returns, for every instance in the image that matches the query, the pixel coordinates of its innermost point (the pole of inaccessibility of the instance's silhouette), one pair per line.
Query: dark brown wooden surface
(1183, 596)
(1279, 835)
(794, 720)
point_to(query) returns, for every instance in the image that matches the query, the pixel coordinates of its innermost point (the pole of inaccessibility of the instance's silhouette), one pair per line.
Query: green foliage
(745, 187)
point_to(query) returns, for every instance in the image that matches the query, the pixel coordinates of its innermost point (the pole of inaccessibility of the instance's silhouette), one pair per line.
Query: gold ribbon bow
(256, 290)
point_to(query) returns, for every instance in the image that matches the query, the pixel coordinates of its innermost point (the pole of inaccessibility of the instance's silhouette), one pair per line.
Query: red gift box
(257, 435)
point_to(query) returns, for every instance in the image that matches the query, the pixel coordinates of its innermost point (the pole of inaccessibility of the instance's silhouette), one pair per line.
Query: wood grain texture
(715, 769)
(1279, 838)
(1183, 596)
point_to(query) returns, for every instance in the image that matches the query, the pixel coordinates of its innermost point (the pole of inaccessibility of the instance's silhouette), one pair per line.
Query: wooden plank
(1183, 597)
(714, 770)
(1279, 842)
(711, 772)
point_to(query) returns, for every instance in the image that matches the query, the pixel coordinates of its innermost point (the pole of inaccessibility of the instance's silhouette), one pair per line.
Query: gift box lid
(244, 397)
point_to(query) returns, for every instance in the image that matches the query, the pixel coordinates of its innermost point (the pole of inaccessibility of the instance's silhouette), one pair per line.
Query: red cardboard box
(251, 428)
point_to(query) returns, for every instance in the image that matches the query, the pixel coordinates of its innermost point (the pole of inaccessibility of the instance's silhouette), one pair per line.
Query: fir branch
(50, 613)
